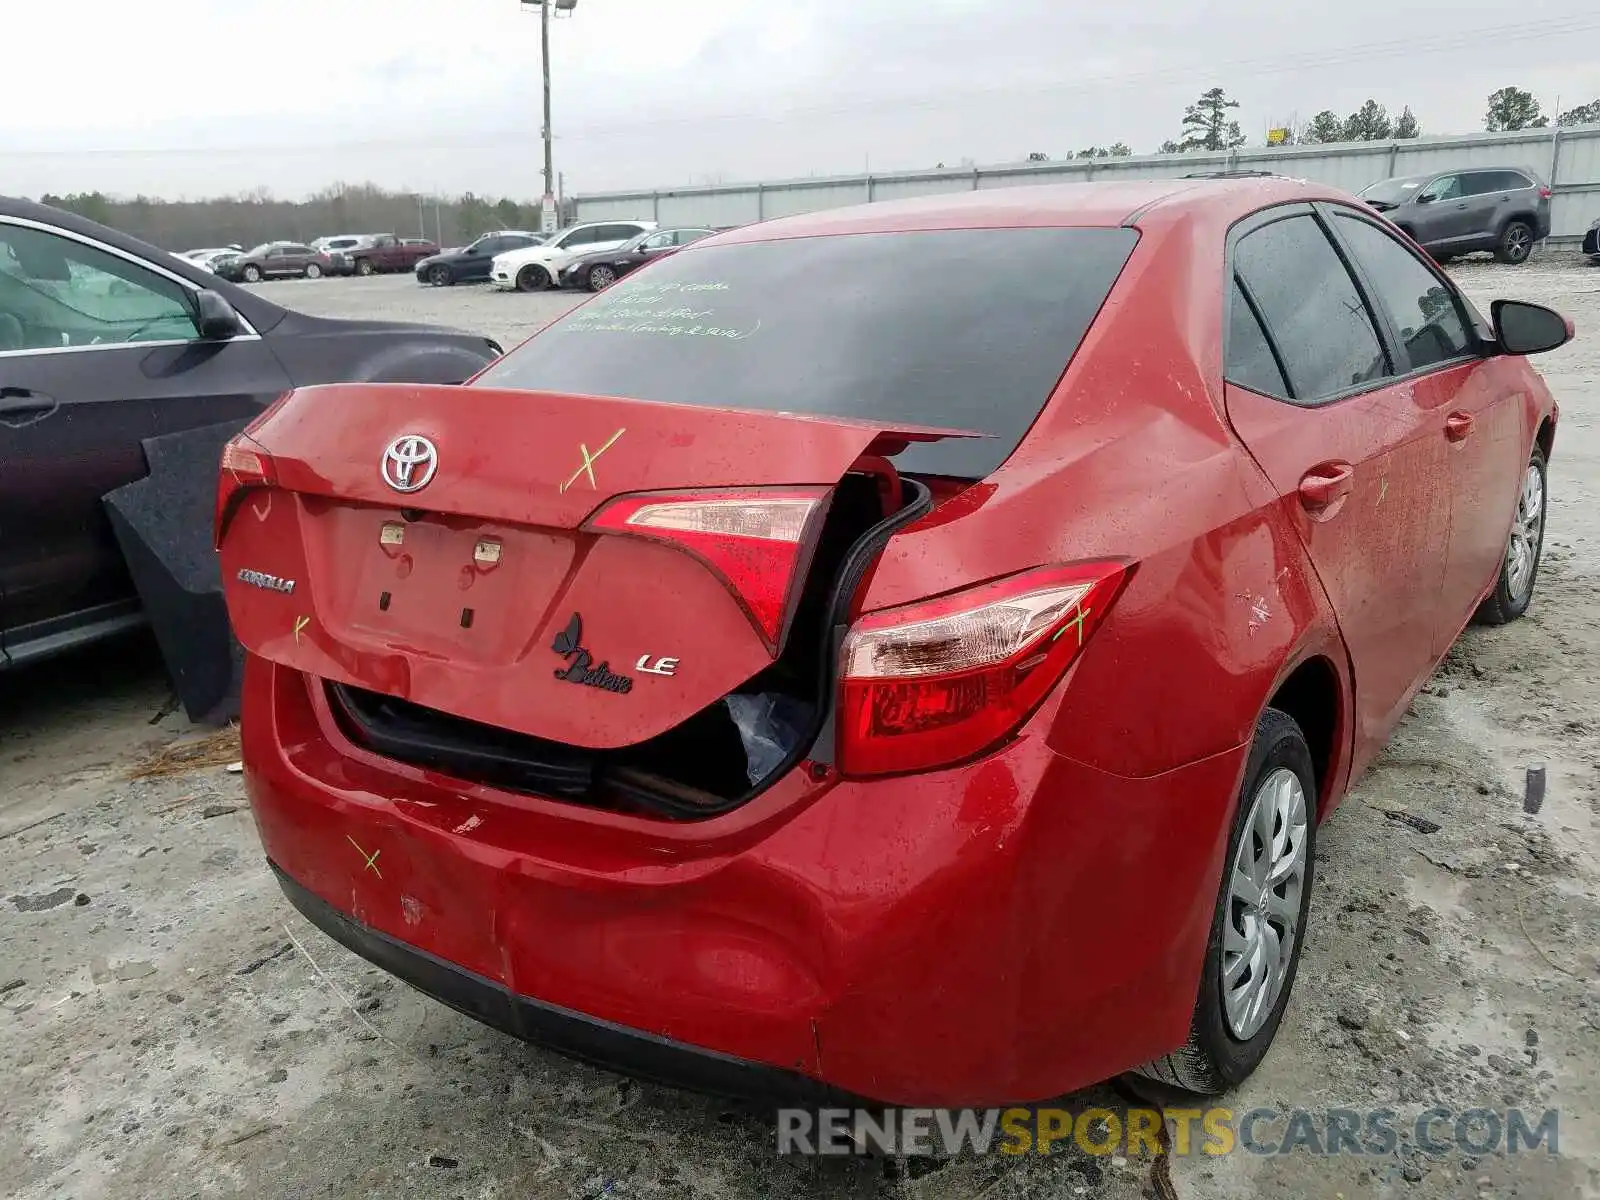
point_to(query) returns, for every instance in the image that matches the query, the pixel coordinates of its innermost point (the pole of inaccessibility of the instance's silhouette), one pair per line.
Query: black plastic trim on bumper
(589, 1039)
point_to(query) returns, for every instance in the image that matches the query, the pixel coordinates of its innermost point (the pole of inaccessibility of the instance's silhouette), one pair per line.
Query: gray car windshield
(1393, 191)
(964, 329)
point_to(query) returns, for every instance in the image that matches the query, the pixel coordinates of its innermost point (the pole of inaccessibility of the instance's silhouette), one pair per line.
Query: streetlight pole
(548, 217)
(547, 206)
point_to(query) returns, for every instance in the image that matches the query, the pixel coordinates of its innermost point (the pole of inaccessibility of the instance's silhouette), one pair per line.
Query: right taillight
(932, 683)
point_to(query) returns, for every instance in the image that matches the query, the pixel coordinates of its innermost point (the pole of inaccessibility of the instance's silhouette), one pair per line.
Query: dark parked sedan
(1591, 242)
(275, 260)
(471, 264)
(604, 267)
(105, 342)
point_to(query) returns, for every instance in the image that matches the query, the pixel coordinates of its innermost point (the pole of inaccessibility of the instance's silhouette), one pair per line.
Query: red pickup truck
(381, 252)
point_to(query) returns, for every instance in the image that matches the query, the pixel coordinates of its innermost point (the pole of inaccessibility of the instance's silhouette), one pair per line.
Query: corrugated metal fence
(1569, 158)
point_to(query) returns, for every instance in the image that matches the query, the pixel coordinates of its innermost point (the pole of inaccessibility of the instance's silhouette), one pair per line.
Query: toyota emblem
(409, 463)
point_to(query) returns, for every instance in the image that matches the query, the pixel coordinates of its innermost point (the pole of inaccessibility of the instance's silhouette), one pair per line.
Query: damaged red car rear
(900, 653)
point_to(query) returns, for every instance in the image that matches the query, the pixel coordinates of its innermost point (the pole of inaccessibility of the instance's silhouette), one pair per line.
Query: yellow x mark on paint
(587, 466)
(299, 625)
(370, 859)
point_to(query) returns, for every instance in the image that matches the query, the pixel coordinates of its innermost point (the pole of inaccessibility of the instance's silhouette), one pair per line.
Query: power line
(1259, 65)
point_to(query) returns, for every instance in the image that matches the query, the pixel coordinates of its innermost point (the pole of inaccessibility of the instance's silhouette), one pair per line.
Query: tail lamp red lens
(244, 466)
(757, 540)
(936, 682)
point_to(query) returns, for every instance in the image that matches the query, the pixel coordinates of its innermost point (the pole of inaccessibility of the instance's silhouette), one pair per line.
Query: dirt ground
(169, 1027)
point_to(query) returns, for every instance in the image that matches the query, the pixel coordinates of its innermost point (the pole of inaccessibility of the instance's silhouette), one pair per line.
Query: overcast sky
(199, 97)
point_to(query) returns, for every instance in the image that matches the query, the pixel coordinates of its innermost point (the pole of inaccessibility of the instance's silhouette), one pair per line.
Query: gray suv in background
(1503, 209)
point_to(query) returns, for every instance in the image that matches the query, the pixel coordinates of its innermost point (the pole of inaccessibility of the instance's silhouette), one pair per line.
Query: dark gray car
(1503, 209)
(107, 343)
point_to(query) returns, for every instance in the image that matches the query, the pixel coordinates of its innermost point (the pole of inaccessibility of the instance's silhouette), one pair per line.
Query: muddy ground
(169, 1027)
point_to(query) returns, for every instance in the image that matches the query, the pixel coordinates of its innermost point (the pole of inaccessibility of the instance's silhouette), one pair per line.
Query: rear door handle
(1458, 426)
(21, 406)
(1324, 487)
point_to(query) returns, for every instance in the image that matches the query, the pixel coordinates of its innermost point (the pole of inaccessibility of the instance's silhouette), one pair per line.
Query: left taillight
(939, 681)
(758, 541)
(244, 466)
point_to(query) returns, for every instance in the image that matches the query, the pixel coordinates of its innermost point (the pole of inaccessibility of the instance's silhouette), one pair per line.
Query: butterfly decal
(568, 640)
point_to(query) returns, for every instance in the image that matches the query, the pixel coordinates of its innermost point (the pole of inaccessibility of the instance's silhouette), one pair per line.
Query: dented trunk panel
(479, 594)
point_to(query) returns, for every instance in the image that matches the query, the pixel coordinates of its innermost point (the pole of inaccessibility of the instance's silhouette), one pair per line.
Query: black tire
(533, 278)
(1515, 244)
(1506, 603)
(600, 278)
(441, 276)
(313, 271)
(363, 267)
(1214, 1060)
(251, 273)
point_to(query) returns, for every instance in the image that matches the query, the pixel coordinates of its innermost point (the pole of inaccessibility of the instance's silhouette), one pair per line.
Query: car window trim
(1259, 219)
(249, 333)
(1329, 211)
(1237, 281)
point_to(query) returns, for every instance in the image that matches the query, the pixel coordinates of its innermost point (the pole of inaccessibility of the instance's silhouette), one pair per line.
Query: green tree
(1206, 125)
(1119, 150)
(1169, 147)
(1513, 108)
(1369, 123)
(1324, 127)
(1584, 114)
(1406, 126)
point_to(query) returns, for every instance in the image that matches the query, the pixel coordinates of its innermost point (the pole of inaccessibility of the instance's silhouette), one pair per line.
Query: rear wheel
(601, 277)
(1516, 242)
(252, 273)
(532, 279)
(1513, 590)
(1258, 927)
(363, 266)
(440, 276)
(313, 271)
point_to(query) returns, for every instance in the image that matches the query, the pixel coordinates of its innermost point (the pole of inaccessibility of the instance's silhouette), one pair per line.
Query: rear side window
(1251, 363)
(1312, 309)
(966, 329)
(1424, 310)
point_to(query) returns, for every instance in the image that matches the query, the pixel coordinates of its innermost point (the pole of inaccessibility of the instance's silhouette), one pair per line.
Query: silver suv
(1503, 209)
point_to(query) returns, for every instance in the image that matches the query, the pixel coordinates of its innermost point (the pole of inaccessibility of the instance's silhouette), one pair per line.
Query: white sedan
(534, 268)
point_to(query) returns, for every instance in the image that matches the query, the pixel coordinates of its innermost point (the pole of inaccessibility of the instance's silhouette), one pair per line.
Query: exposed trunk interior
(720, 757)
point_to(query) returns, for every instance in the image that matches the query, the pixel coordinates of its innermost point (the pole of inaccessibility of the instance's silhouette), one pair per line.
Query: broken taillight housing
(935, 682)
(244, 466)
(757, 540)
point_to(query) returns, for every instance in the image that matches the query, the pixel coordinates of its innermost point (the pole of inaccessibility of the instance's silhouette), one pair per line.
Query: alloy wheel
(1527, 531)
(1264, 893)
(1518, 242)
(601, 278)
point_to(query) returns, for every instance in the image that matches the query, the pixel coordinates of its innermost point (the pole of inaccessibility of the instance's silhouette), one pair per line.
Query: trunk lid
(488, 592)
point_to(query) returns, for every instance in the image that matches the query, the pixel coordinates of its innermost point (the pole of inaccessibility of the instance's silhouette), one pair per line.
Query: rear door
(1487, 196)
(97, 351)
(1356, 453)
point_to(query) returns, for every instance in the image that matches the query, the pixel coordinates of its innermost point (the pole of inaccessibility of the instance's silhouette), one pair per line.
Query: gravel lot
(170, 1028)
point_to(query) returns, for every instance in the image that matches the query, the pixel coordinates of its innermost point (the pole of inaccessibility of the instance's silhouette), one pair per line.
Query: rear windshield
(966, 329)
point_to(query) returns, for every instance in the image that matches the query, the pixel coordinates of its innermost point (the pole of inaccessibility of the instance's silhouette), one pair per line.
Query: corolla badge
(261, 579)
(580, 666)
(409, 463)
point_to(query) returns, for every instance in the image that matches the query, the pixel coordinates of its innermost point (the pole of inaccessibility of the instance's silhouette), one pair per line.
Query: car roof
(1049, 205)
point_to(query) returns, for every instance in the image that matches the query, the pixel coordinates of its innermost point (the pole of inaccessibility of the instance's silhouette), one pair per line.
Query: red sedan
(902, 652)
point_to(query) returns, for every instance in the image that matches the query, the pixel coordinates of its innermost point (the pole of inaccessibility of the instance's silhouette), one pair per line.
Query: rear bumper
(1007, 930)
(570, 1033)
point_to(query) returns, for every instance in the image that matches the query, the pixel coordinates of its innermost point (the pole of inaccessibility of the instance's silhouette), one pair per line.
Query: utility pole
(548, 216)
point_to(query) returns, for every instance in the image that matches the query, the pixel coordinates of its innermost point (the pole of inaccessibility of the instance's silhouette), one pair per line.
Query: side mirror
(1523, 328)
(216, 319)
(1426, 198)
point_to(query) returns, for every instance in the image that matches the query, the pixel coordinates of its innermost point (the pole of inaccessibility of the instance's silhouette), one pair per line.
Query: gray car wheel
(601, 277)
(313, 271)
(533, 278)
(252, 273)
(440, 276)
(1516, 243)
